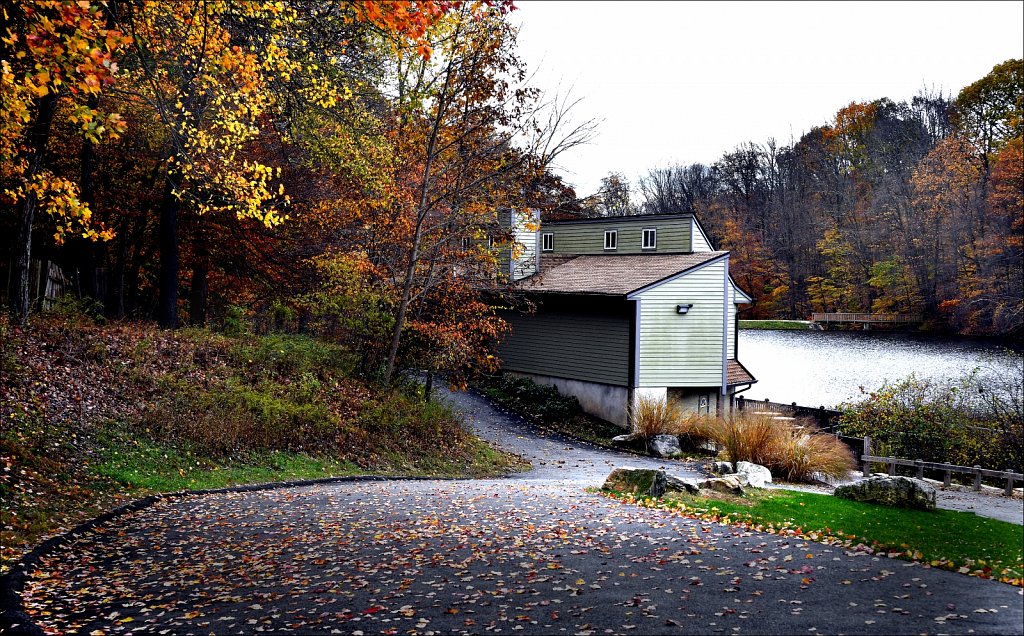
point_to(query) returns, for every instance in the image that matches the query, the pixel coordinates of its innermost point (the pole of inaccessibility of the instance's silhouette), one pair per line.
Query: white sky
(685, 82)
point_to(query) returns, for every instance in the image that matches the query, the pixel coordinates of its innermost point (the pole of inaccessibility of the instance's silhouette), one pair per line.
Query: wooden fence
(947, 469)
(890, 319)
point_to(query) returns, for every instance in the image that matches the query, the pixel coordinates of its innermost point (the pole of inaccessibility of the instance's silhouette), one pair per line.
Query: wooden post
(947, 479)
(867, 451)
(892, 466)
(920, 468)
(1009, 483)
(977, 478)
(740, 402)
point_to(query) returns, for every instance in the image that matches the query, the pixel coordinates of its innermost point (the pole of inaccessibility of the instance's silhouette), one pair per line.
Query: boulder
(730, 484)
(757, 475)
(638, 481)
(722, 468)
(900, 492)
(665, 446)
(630, 442)
(675, 484)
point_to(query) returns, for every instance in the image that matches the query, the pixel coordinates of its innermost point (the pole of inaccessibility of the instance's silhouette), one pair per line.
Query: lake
(826, 368)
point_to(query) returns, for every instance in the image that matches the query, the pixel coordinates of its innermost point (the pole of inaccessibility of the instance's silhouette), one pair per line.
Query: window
(465, 242)
(611, 239)
(650, 240)
(547, 242)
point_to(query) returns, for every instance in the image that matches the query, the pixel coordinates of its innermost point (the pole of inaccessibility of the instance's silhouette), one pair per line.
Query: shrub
(526, 396)
(955, 422)
(653, 416)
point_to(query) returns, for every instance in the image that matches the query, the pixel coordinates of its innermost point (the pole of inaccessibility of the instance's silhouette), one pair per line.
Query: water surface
(826, 368)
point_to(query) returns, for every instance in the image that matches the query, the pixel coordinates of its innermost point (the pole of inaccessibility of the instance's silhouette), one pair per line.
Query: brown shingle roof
(615, 275)
(736, 373)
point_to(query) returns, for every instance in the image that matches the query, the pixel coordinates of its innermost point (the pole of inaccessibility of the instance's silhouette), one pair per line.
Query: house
(625, 307)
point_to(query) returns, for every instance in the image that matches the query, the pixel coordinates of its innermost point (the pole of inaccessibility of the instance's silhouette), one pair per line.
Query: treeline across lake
(909, 207)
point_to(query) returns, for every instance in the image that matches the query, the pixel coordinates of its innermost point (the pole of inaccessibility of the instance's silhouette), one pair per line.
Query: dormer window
(547, 242)
(611, 240)
(650, 239)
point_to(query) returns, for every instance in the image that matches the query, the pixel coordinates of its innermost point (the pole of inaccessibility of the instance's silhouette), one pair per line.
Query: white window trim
(614, 236)
(547, 242)
(643, 238)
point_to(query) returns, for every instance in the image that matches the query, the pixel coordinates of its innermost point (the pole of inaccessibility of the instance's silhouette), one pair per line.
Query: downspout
(536, 240)
(634, 372)
(725, 326)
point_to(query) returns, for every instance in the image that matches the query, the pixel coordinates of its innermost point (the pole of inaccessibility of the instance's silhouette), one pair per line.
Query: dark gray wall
(572, 337)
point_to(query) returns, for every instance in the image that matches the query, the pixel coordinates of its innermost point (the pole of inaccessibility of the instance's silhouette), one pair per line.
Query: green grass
(951, 539)
(159, 468)
(775, 324)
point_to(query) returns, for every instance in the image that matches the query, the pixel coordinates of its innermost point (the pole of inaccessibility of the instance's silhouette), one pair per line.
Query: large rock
(901, 492)
(665, 446)
(730, 484)
(757, 475)
(637, 481)
(722, 468)
(630, 441)
(675, 484)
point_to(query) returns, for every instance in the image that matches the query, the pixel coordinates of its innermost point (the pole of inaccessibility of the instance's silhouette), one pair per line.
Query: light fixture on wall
(682, 309)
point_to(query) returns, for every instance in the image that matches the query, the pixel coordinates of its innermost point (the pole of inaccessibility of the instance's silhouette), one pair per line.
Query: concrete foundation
(600, 400)
(700, 400)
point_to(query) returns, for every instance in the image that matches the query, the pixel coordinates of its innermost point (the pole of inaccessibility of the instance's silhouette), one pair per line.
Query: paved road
(534, 554)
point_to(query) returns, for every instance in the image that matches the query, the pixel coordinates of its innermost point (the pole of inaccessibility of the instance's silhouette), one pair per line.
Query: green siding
(683, 350)
(588, 238)
(589, 342)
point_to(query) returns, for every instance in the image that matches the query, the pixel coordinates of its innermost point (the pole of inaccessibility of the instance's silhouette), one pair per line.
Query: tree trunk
(167, 237)
(199, 287)
(38, 136)
(84, 250)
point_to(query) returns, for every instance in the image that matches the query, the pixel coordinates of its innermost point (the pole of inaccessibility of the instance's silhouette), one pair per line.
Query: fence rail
(947, 469)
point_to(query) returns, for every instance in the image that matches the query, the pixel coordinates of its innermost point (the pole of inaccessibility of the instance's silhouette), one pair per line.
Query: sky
(685, 82)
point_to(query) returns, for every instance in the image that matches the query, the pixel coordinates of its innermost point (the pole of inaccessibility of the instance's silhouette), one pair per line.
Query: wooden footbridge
(822, 321)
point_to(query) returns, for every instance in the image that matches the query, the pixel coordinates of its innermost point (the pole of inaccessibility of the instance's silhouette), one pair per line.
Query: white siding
(699, 241)
(683, 350)
(525, 248)
(732, 322)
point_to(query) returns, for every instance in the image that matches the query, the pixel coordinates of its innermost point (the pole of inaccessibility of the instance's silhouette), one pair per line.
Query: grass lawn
(954, 540)
(775, 324)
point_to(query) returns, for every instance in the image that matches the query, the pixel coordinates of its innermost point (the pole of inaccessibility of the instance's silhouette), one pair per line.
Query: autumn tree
(56, 57)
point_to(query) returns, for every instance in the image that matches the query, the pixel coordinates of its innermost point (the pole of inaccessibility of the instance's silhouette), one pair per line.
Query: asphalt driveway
(534, 554)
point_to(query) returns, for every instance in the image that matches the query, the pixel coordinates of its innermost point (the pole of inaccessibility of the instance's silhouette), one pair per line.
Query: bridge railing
(865, 317)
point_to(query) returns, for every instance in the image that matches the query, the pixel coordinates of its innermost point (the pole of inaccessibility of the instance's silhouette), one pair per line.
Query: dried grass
(652, 416)
(791, 450)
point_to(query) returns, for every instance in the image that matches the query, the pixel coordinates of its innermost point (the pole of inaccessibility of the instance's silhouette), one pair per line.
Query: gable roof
(736, 373)
(613, 275)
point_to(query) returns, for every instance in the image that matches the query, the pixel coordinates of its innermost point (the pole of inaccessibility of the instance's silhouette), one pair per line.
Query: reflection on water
(826, 368)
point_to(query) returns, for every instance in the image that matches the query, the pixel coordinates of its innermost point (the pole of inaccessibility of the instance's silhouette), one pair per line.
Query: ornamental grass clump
(750, 437)
(807, 455)
(792, 450)
(653, 416)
